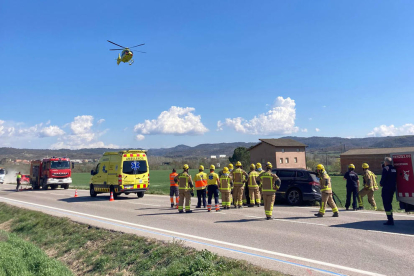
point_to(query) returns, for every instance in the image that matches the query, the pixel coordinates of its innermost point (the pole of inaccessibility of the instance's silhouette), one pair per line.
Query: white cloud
(51, 131)
(140, 137)
(175, 121)
(391, 130)
(82, 135)
(310, 119)
(279, 120)
(317, 129)
(48, 122)
(100, 121)
(304, 130)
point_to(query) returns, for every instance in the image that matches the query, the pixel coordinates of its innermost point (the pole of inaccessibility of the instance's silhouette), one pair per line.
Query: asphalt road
(294, 242)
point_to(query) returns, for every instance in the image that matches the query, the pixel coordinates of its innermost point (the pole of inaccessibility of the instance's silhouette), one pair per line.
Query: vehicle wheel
(44, 185)
(66, 186)
(92, 191)
(294, 197)
(53, 187)
(140, 194)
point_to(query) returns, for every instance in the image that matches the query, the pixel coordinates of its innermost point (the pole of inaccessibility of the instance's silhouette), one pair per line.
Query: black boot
(336, 214)
(172, 205)
(390, 220)
(319, 215)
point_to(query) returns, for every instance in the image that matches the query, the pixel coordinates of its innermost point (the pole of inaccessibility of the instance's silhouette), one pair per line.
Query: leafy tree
(241, 154)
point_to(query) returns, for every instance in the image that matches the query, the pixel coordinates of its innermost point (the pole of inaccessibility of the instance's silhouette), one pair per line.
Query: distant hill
(206, 150)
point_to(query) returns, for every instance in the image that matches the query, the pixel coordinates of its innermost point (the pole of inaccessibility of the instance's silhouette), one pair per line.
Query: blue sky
(341, 67)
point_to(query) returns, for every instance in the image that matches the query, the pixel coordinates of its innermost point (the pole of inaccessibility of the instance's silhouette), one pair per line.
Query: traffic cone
(76, 193)
(112, 197)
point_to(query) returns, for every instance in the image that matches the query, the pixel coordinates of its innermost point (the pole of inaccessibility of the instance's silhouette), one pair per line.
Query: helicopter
(126, 55)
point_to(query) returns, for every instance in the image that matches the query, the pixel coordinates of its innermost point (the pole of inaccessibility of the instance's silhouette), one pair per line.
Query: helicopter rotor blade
(116, 44)
(141, 52)
(137, 45)
(116, 49)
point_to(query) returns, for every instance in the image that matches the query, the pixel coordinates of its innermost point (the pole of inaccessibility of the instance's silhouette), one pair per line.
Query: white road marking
(381, 213)
(322, 263)
(391, 233)
(57, 194)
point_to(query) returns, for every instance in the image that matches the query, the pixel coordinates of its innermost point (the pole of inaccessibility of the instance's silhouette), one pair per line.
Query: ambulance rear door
(403, 162)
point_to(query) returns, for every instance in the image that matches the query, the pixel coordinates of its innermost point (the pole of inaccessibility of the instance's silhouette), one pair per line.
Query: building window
(287, 160)
(283, 150)
(281, 160)
(296, 160)
(297, 150)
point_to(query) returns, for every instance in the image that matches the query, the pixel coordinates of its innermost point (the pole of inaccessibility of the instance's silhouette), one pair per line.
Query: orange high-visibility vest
(172, 183)
(201, 181)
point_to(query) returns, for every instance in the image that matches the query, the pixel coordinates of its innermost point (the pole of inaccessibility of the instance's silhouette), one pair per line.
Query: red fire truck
(403, 163)
(53, 172)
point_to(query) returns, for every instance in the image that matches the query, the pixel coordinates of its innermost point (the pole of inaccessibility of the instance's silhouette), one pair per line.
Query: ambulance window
(97, 168)
(134, 167)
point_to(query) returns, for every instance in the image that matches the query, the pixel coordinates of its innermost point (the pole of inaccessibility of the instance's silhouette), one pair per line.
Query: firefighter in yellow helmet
(201, 184)
(185, 186)
(260, 170)
(252, 184)
(231, 168)
(213, 184)
(270, 184)
(326, 190)
(239, 176)
(370, 185)
(226, 183)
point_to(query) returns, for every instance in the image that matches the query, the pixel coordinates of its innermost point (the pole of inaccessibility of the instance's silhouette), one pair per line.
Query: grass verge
(20, 257)
(89, 250)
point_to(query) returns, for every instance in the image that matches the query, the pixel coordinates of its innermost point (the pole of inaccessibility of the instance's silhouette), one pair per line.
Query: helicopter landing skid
(131, 61)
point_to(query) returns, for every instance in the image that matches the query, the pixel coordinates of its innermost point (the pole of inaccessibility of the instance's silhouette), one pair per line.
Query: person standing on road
(389, 185)
(173, 189)
(19, 181)
(352, 187)
(270, 184)
(254, 194)
(185, 185)
(370, 185)
(230, 166)
(201, 184)
(326, 190)
(260, 170)
(225, 188)
(238, 179)
(213, 188)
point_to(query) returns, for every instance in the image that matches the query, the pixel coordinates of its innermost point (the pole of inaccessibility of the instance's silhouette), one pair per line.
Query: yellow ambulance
(123, 172)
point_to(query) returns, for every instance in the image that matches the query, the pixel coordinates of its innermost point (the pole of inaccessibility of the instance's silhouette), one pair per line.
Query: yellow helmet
(320, 167)
(212, 167)
(230, 166)
(258, 165)
(201, 167)
(238, 164)
(252, 167)
(269, 165)
(185, 167)
(225, 170)
(365, 166)
(351, 166)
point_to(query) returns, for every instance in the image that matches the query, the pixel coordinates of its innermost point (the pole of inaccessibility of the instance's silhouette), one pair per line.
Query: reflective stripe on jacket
(325, 182)
(268, 180)
(238, 176)
(201, 181)
(183, 179)
(172, 182)
(253, 179)
(225, 183)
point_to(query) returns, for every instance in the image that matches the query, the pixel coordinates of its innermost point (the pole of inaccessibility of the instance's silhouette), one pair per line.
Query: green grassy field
(159, 184)
(88, 250)
(20, 257)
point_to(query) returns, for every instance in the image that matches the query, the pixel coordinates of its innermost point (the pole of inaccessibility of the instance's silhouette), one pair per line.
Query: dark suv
(298, 185)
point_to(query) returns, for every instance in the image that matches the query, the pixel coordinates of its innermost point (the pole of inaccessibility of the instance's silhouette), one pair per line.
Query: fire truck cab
(53, 172)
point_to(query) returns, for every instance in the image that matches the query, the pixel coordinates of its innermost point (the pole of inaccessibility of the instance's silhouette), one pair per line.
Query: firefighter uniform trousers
(269, 202)
(246, 190)
(254, 195)
(370, 194)
(184, 195)
(327, 198)
(238, 194)
(225, 198)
